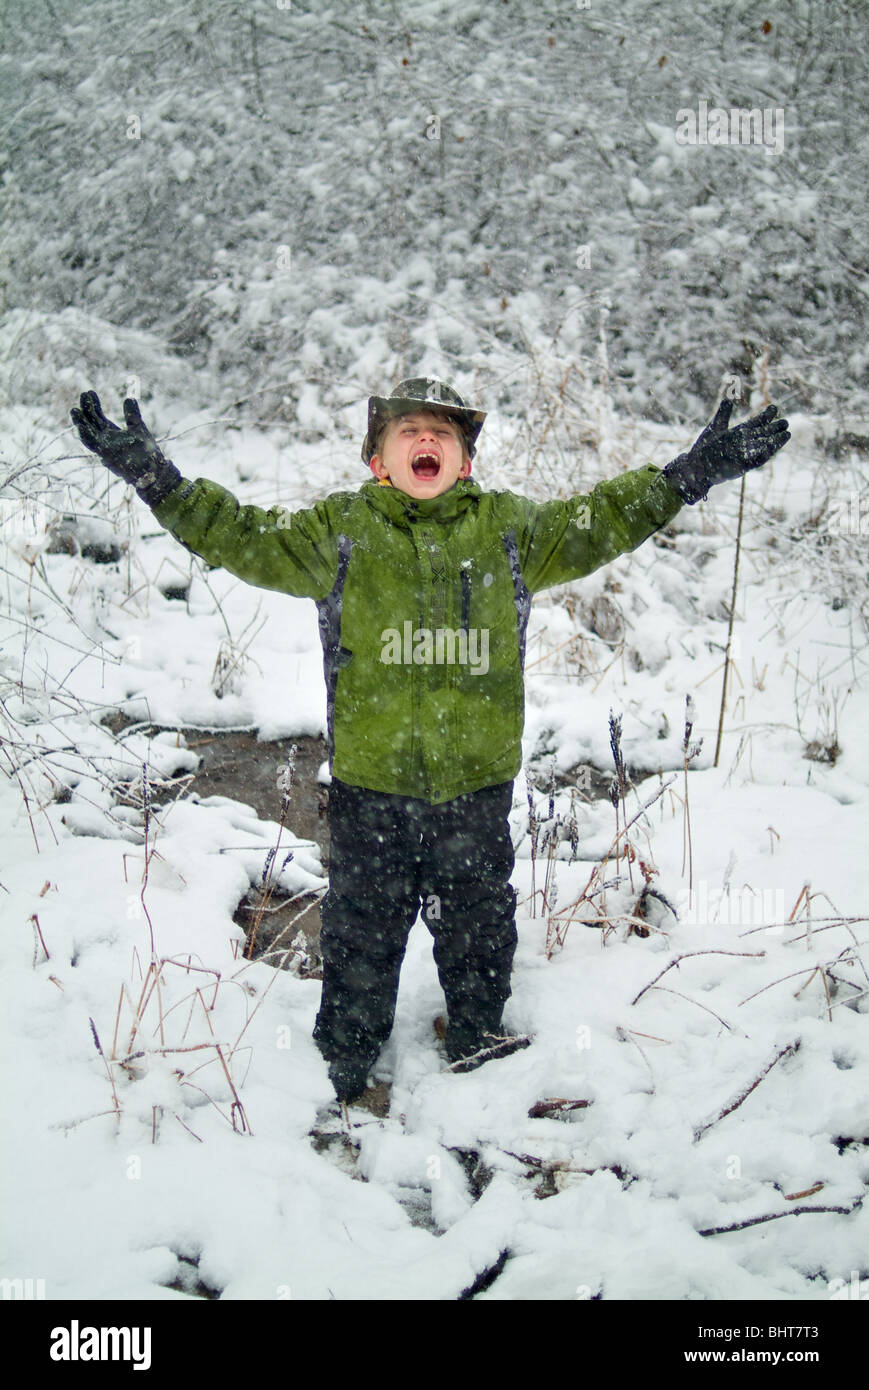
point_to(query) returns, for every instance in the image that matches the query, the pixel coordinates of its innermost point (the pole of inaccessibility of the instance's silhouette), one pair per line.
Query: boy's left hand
(720, 454)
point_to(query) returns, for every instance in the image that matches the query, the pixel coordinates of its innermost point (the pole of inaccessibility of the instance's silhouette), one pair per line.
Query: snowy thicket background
(250, 216)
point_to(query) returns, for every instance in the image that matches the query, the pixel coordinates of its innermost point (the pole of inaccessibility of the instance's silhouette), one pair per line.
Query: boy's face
(422, 454)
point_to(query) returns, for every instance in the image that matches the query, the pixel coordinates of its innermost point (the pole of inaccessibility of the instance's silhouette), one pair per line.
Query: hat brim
(381, 409)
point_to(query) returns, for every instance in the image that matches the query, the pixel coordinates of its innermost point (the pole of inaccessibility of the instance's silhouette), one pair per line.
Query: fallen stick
(555, 1105)
(728, 1110)
(563, 1165)
(502, 1047)
(809, 1192)
(774, 1216)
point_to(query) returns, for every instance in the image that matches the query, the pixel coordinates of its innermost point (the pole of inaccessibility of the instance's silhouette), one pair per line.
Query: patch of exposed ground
(241, 766)
(238, 765)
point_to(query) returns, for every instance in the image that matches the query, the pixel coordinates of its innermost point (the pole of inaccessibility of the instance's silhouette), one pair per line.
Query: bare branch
(743, 1095)
(686, 955)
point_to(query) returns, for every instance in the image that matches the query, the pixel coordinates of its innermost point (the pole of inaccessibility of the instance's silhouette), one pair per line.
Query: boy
(423, 585)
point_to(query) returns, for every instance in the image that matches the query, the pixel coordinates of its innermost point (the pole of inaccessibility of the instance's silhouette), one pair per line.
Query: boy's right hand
(132, 453)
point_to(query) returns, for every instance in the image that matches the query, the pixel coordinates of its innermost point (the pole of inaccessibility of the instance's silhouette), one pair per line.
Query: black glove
(721, 453)
(131, 453)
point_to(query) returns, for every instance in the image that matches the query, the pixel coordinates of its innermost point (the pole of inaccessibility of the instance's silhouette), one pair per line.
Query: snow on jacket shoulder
(423, 607)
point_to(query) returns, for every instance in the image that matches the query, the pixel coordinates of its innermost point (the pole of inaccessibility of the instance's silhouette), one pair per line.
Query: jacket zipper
(466, 600)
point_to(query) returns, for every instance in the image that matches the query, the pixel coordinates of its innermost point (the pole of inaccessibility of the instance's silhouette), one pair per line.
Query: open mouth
(426, 466)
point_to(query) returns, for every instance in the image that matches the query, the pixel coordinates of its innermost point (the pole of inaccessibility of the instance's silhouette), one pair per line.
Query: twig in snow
(189, 1130)
(556, 936)
(831, 921)
(787, 1051)
(686, 955)
(532, 831)
(619, 787)
(731, 617)
(809, 1192)
(35, 920)
(236, 1109)
(666, 990)
(146, 805)
(626, 1035)
(108, 1070)
(689, 752)
(810, 970)
(555, 1105)
(286, 777)
(774, 1216)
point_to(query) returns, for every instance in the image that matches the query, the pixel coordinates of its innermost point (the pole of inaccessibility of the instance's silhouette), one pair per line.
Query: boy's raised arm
(295, 553)
(563, 540)
(566, 540)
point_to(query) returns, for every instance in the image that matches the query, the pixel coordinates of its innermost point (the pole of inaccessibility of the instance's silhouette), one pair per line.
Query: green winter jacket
(423, 607)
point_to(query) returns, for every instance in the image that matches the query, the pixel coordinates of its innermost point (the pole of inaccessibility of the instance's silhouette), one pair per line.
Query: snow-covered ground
(160, 1091)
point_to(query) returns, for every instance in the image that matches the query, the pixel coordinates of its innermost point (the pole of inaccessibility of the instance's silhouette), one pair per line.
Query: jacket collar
(403, 510)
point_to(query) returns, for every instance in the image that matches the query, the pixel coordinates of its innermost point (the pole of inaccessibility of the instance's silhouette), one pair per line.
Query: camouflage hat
(421, 393)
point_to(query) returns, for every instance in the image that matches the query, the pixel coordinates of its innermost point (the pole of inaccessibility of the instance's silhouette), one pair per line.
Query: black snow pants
(391, 855)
